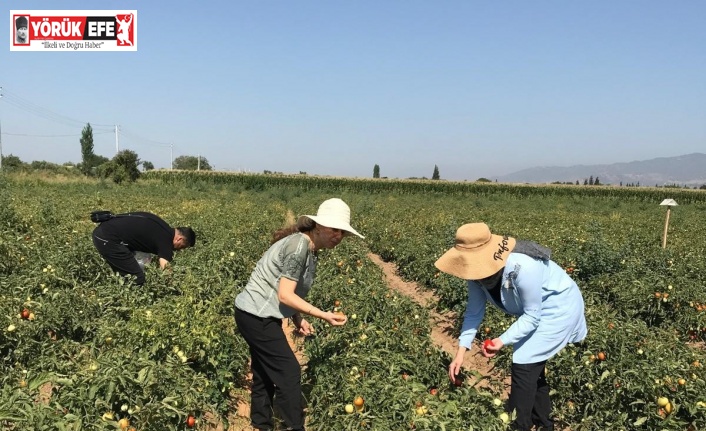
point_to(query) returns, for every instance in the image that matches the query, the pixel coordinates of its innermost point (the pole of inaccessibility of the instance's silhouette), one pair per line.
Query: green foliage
(597, 256)
(421, 187)
(128, 161)
(192, 163)
(87, 154)
(376, 171)
(12, 162)
(123, 168)
(9, 219)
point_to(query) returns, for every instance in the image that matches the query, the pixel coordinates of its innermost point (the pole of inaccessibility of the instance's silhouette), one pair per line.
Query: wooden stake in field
(669, 203)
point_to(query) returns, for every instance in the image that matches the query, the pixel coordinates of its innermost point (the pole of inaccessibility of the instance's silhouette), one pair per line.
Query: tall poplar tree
(87, 155)
(435, 175)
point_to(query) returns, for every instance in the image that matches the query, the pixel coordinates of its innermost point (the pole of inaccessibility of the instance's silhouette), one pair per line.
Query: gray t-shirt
(289, 257)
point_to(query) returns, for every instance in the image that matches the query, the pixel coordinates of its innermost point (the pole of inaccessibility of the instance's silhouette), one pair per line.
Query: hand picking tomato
(488, 344)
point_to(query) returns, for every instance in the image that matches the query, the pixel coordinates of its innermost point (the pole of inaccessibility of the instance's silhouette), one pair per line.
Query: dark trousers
(276, 373)
(529, 397)
(120, 258)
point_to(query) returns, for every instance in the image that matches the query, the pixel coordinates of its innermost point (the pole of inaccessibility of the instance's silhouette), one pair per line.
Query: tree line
(434, 176)
(123, 167)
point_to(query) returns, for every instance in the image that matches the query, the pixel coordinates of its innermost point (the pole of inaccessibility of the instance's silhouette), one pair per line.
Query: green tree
(129, 161)
(376, 171)
(11, 161)
(98, 160)
(87, 155)
(596, 182)
(148, 166)
(191, 163)
(44, 165)
(435, 175)
(123, 167)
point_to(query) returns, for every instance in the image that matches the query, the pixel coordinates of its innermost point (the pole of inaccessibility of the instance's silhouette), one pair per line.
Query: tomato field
(81, 349)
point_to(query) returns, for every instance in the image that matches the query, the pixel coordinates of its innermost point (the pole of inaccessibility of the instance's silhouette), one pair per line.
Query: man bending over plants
(119, 237)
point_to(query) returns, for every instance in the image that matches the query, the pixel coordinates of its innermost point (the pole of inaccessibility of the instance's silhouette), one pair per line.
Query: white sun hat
(336, 214)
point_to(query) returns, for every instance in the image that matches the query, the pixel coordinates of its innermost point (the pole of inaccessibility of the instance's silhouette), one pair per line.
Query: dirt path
(442, 325)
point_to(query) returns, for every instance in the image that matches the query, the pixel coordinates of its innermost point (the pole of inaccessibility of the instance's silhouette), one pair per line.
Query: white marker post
(669, 203)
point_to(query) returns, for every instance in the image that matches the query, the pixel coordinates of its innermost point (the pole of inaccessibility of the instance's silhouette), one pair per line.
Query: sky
(478, 88)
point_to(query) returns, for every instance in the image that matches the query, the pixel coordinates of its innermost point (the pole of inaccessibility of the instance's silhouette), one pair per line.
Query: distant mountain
(688, 170)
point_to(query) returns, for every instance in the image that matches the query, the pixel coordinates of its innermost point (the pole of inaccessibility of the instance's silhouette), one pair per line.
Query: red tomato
(25, 314)
(190, 421)
(488, 343)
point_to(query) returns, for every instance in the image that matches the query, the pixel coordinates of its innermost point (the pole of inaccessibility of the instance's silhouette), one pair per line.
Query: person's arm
(303, 326)
(475, 310)
(165, 250)
(529, 287)
(288, 297)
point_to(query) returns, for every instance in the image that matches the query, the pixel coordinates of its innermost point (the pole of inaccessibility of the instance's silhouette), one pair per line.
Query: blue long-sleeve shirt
(546, 300)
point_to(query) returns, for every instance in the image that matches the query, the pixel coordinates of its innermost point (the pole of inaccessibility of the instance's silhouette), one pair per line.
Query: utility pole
(117, 147)
(171, 156)
(198, 163)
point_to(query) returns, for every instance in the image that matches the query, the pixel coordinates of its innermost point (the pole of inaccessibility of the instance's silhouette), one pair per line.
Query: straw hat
(477, 254)
(336, 214)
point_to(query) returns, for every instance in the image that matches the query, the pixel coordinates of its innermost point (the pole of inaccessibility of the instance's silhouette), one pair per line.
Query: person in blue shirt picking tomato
(519, 278)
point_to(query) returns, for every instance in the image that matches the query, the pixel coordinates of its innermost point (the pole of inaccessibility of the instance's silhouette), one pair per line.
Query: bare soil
(442, 324)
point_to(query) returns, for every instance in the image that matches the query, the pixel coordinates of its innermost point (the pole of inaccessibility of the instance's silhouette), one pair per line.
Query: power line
(136, 137)
(50, 136)
(19, 102)
(15, 100)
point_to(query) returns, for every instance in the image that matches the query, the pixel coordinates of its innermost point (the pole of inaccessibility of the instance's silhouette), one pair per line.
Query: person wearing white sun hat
(276, 291)
(518, 278)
